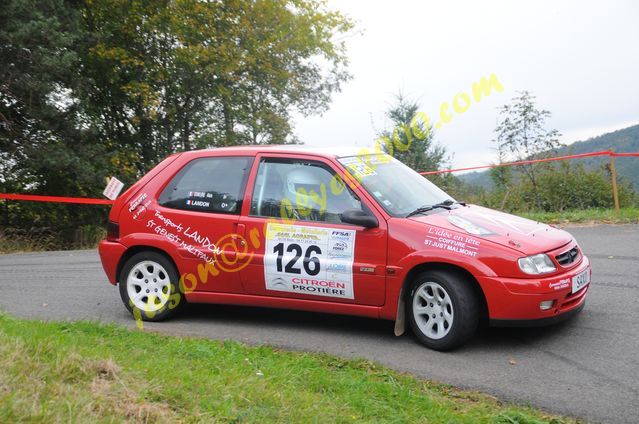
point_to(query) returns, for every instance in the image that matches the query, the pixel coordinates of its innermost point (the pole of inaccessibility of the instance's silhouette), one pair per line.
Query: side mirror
(359, 217)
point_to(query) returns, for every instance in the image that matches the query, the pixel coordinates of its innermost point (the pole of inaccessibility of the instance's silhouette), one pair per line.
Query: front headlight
(536, 264)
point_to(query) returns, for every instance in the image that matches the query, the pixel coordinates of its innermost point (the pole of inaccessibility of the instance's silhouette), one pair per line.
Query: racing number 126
(297, 249)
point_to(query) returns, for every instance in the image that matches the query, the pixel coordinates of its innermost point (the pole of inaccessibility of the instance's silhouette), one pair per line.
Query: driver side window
(300, 190)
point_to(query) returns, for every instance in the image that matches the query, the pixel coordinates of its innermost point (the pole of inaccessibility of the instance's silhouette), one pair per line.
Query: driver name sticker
(309, 260)
(200, 203)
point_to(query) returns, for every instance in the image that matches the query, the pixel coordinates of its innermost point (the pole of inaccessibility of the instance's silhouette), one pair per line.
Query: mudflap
(400, 319)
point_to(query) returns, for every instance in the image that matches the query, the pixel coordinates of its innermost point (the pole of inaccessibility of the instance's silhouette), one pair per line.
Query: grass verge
(16, 240)
(587, 216)
(86, 372)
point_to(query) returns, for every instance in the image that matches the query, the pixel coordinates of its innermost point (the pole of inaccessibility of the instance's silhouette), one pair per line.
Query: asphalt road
(587, 367)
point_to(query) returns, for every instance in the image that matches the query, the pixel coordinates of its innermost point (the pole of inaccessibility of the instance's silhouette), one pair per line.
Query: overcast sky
(580, 58)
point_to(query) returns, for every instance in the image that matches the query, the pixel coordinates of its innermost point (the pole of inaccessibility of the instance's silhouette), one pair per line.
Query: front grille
(568, 257)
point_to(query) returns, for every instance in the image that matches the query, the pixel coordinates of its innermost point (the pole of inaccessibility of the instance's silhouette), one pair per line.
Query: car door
(301, 249)
(200, 208)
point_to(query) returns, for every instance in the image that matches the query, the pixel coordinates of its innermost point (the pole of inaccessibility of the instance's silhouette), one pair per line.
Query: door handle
(241, 229)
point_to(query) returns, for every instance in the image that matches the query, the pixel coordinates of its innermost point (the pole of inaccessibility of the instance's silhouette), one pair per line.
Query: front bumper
(539, 322)
(110, 254)
(515, 301)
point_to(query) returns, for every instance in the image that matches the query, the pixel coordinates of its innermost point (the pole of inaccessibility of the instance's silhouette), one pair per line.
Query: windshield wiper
(446, 204)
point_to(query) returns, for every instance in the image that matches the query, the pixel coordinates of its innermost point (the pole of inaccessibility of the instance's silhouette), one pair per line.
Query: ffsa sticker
(309, 260)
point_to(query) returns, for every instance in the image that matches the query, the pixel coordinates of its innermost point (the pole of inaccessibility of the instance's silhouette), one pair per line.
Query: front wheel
(444, 311)
(149, 287)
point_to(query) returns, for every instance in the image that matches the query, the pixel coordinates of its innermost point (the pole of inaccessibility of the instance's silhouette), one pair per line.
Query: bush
(558, 188)
(50, 238)
(573, 187)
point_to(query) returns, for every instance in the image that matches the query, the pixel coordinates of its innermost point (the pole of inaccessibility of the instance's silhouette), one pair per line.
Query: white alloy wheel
(433, 310)
(148, 286)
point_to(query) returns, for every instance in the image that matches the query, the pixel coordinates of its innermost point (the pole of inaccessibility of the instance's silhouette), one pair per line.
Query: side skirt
(283, 303)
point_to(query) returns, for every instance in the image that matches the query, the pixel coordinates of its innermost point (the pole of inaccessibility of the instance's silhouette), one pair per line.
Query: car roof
(325, 151)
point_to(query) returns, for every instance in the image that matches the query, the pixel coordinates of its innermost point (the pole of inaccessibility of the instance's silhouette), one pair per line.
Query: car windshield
(397, 188)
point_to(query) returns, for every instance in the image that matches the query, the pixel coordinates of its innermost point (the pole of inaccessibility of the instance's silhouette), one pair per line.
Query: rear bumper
(110, 254)
(517, 301)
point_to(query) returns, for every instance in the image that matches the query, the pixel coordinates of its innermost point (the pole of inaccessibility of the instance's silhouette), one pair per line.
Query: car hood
(521, 234)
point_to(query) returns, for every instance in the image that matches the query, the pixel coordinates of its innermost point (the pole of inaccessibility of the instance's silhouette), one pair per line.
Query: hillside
(624, 140)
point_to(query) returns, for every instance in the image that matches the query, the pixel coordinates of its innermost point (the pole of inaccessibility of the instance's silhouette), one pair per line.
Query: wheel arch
(133, 250)
(400, 321)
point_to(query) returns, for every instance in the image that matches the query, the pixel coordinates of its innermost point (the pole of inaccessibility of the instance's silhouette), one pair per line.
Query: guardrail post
(613, 175)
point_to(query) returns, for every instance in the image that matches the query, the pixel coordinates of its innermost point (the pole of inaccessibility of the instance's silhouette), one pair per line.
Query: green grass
(87, 372)
(589, 216)
(21, 243)
(13, 240)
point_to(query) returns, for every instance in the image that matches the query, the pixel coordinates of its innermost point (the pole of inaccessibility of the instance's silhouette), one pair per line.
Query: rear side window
(209, 185)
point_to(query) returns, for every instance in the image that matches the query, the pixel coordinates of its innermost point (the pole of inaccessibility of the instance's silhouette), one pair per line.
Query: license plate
(580, 280)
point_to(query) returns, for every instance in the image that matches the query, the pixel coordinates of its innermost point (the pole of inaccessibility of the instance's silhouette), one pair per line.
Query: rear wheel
(149, 287)
(444, 311)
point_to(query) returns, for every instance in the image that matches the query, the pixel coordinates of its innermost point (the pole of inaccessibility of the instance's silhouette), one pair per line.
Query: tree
(37, 50)
(169, 76)
(411, 137)
(502, 177)
(93, 88)
(44, 145)
(521, 135)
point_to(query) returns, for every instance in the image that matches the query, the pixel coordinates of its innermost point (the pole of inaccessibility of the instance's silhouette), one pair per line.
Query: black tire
(466, 309)
(171, 297)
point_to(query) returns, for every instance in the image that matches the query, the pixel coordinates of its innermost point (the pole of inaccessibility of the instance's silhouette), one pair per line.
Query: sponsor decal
(561, 284)
(441, 239)
(321, 287)
(198, 245)
(338, 267)
(134, 204)
(339, 246)
(200, 239)
(309, 260)
(279, 282)
(340, 235)
(338, 255)
(137, 208)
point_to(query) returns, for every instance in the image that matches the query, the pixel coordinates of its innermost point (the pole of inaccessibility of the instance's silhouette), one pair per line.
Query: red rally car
(336, 232)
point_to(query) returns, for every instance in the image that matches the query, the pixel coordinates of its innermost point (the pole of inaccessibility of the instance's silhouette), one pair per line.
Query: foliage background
(94, 88)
